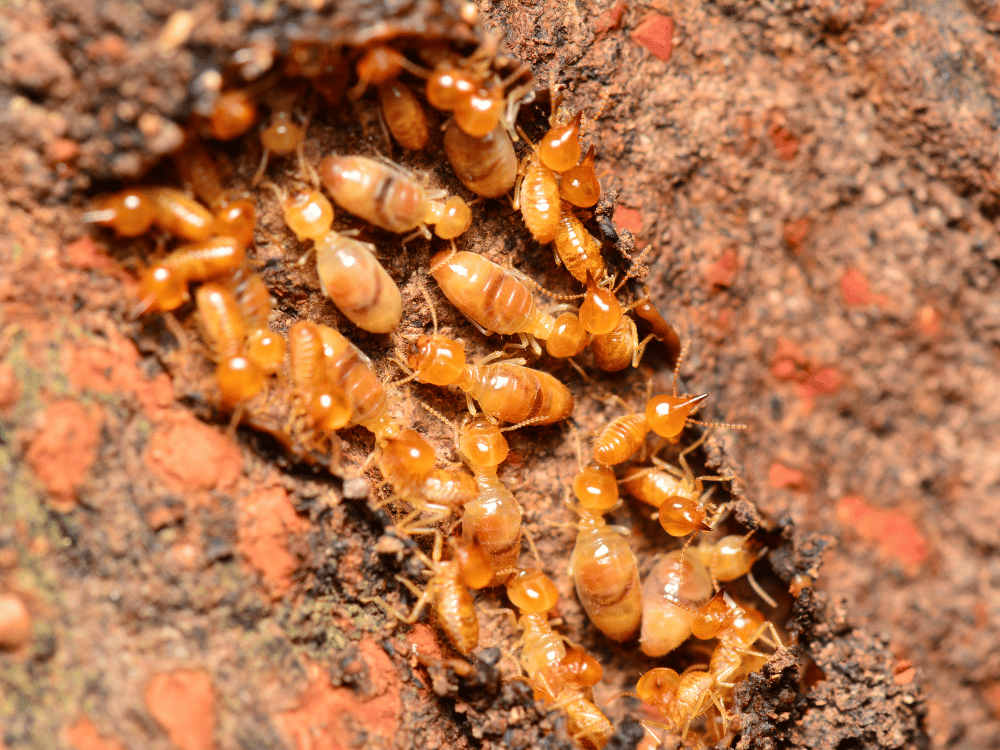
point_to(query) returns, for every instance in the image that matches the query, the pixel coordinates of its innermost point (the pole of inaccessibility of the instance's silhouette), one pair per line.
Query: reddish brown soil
(819, 186)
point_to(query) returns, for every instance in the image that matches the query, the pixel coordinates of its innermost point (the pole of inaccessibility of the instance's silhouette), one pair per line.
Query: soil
(818, 184)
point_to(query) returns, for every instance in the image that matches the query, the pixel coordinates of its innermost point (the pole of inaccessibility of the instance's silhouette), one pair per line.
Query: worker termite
(266, 349)
(487, 166)
(380, 193)
(324, 401)
(576, 248)
(403, 115)
(579, 185)
(671, 594)
(493, 518)
(658, 327)
(606, 576)
(235, 218)
(282, 137)
(450, 218)
(163, 287)
(560, 147)
(129, 212)
(732, 557)
(619, 348)
(496, 300)
(222, 325)
(547, 664)
(352, 373)
(738, 628)
(380, 64)
(198, 170)
(181, 215)
(233, 115)
(448, 589)
(349, 273)
(680, 699)
(538, 199)
(132, 212)
(506, 390)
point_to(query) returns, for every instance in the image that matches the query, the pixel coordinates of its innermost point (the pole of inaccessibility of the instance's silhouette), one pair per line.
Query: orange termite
(448, 589)
(606, 575)
(498, 301)
(493, 518)
(671, 594)
(487, 166)
(404, 116)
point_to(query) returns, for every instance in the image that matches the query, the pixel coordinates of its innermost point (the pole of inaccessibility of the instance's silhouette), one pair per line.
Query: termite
(606, 576)
(671, 594)
(403, 115)
(233, 115)
(487, 166)
(580, 185)
(349, 273)
(677, 495)
(493, 518)
(163, 286)
(448, 590)
(381, 194)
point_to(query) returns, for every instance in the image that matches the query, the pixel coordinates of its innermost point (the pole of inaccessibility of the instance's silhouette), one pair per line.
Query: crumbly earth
(818, 184)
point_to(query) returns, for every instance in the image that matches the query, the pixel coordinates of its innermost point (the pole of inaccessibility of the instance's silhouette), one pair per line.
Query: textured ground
(818, 184)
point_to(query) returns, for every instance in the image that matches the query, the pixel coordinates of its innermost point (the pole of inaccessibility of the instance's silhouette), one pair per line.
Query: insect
(349, 273)
(487, 166)
(252, 296)
(448, 590)
(677, 495)
(732, 557)
(163, 286)
(560, 147)
(235, 218)
(493, 518)
(576, 248)
(282, 137)
(550, 668)
(233, 115)
(180, 214)
(494, 299)
(738, 628)
(381, 194)
(198, 170)
(671, 594)
(450, 218)
(606, 575)
(600, 311)
(664, 415)
(680, 699)
(266, 349)
(407, 463)
(659, 328)
(579, 185)
(222, 326)
(505, 390)
(351, 276)
(619, 348)
(403, 115)
(596, 488)
(352, 373)
(538, 199)
(129, 212)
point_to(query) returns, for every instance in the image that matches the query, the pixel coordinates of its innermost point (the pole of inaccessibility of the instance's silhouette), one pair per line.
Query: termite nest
(342, 182)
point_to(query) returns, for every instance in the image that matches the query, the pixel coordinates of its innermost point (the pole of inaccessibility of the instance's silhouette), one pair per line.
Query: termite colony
(208, 271)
